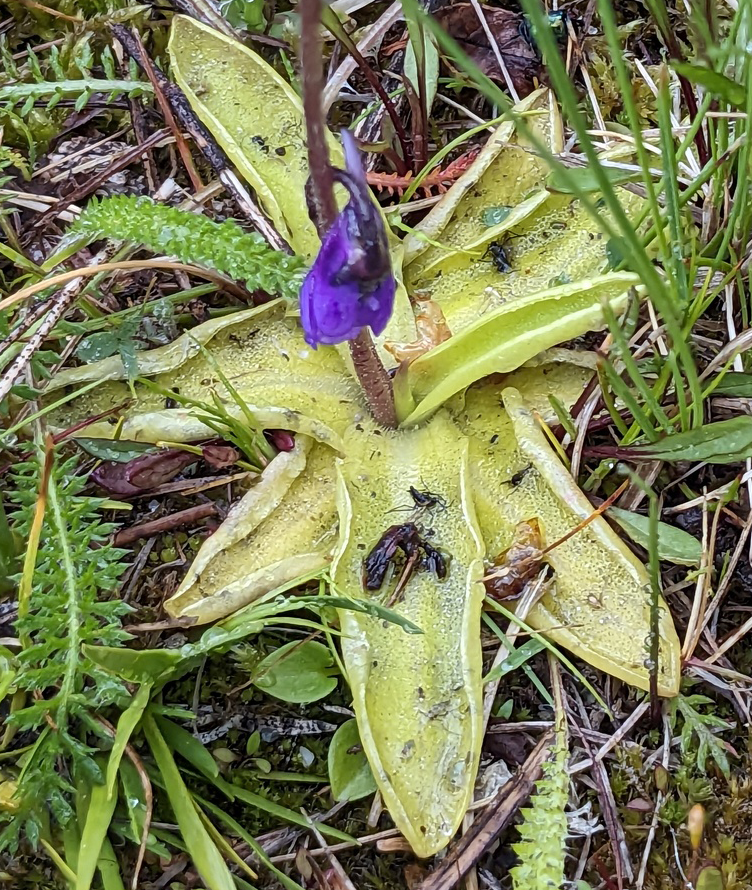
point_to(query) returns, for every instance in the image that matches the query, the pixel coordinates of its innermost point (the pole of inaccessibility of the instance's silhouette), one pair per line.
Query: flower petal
(350, 284)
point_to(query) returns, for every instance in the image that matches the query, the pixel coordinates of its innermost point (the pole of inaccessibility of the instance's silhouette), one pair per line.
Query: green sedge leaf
(732, 92)
(98, 818)
(723, 442)
(585, 179)
(188, 746)
(126, 725)
(201, 848)
(674, 544)
(515, 659)
(734, 384)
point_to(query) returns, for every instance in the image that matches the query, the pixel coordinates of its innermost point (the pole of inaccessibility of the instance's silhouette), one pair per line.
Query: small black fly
(519, 476)
(427, 500)
(499, 256)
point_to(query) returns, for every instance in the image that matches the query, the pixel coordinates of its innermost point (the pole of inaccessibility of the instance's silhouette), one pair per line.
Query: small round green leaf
(349, 773)
(297, 672)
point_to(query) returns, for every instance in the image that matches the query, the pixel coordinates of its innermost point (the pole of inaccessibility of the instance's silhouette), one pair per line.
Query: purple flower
(350, 284)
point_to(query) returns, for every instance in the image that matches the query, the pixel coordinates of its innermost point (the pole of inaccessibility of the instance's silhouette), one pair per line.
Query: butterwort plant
(350, 285)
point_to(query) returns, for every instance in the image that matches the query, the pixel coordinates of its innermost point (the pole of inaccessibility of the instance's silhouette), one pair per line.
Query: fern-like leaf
(223, 246)
(699, 739)
(75, 565)
(541, 850)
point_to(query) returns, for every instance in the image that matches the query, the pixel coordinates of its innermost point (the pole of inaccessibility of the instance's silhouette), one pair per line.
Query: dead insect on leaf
(408, 539)
(516, 566)
(427, 500)
(517, 478)
(499, 256)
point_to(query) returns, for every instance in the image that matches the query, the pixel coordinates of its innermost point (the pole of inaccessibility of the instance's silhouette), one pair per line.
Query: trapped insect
(425, 499)
(408, 539)
(499, 256)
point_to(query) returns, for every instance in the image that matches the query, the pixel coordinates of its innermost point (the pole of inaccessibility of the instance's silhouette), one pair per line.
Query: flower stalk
(351, 257)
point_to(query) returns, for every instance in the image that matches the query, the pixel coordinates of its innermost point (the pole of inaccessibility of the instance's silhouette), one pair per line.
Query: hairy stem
(374, 379)
(371, 373)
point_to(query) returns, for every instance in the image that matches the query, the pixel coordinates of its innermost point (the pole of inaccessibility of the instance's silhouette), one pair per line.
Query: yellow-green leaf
(506, 338)
(256, 117)
(417, 698)
(285, 383)
(607, 621)
(598, 606)
(458, 217)
(502, 198)
(281, 529)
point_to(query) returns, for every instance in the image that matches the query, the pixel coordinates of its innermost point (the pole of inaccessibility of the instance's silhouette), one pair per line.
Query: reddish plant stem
(373, 377)
(371, 373)
(324, 210)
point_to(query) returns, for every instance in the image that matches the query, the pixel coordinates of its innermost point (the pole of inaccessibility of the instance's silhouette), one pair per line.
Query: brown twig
(164, 524)
(82, 424)
(32, 4)
(119, 266)
(169, 117)
(607, 801)
(57, 307)
(489, 825)
(139, 131)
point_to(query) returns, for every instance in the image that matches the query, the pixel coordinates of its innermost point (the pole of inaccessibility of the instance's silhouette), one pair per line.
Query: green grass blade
(249, 839)
(274, 809)
(126, 724)
(497, 607)
(98, 818)
(203, 851)
(624, 80)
